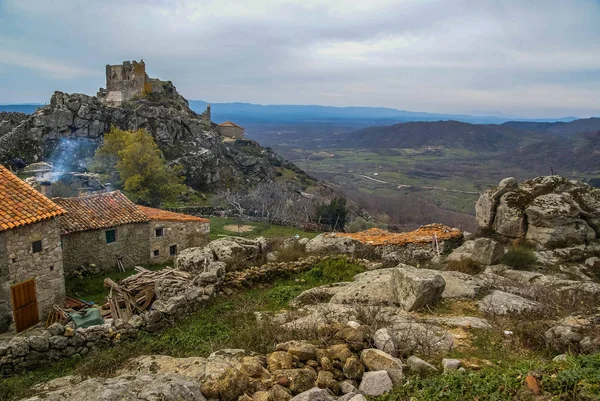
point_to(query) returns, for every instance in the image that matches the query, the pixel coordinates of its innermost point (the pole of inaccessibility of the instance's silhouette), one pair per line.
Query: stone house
(107, 230)
(31, 262)
(231, 130)
(171, 233)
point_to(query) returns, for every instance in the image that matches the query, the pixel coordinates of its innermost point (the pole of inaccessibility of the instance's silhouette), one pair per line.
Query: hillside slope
(72, 126)
(448, 134)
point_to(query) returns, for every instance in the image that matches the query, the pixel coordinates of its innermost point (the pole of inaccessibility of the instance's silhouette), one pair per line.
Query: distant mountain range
(247, 113)
(456, 134)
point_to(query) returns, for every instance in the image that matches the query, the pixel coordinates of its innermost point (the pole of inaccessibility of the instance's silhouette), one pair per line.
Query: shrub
(362, 224)
(465, 265)
(519, 257)
(335, 270)
(282, 295)
(333, 214)
(291, 253)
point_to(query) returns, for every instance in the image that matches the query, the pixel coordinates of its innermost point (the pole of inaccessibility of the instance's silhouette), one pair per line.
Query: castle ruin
(125, 81)
(129, 80)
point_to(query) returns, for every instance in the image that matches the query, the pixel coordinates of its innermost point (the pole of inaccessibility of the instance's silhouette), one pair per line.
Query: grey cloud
(438, 55)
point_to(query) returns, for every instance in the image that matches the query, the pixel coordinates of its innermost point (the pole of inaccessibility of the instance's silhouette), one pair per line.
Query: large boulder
(376, 383)
(331, 243)
(375, 359)
(484, 251)
(194, 260)
(504, 303)
(404, 286)
(140, 387)
(235, 249)
(555, 222)
(487, 204)
(230, 251)
(461, 285)
(553, 211)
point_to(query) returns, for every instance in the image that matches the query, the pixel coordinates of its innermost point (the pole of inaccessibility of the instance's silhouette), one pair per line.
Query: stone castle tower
(124, 81)
(129, 80)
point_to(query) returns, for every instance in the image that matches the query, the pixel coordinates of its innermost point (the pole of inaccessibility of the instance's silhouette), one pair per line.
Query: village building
(31, 261)
(106, 230)
(109, 231)
(171, 233)
(231, 130)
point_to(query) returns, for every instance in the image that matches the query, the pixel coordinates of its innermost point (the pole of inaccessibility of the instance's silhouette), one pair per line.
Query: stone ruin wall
(174, 303)
(125, 81)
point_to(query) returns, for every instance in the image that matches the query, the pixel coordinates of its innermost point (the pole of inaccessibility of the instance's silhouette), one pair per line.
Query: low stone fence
(24, 352)
(272, 270)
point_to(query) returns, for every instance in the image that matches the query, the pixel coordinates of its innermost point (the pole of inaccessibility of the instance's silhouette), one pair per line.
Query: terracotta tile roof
(21, 205)
(164, 215)
(422, 235)
(97, 212)
(229, 124)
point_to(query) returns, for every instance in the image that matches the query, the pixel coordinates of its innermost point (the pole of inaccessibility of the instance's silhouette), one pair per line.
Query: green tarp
(87, 318)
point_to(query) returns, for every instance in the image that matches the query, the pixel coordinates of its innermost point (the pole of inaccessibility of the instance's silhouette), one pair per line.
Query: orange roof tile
(164, 215)
(422, 235)
(21, 205)
(229, 124)
(97, 212)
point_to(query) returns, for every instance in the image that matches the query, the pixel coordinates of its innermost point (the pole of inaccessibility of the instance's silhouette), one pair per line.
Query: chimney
(46, 188)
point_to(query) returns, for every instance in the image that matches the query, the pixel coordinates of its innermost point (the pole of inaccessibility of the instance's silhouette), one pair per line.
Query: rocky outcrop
(503, 303)
(484, 251)
(182, 135)
(147, 387)
(403, 286)
(553, 212)
(414, 247)
(229, 252)
(9, 120)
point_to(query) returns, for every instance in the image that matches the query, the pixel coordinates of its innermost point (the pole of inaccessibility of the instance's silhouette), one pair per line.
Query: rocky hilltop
(183, 136)
(552, 212)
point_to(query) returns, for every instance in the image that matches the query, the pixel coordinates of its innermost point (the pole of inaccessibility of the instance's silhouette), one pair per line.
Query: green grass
(228, 322)
(260, 229)
(578, 378)
(92, 289)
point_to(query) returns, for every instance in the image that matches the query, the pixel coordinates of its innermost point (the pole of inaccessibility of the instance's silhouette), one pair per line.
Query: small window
(36, 246)
(159, 232)
(51, 268)
(173, 250)
(156, 253)
(111, 236)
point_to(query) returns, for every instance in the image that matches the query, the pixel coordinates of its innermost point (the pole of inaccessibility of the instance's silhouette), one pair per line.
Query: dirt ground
(238, 229)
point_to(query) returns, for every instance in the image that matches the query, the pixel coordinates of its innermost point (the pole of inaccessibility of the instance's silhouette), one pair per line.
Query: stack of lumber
(135, 294)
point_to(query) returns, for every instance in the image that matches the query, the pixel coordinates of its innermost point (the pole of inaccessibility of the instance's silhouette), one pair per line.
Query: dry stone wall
(57, 341)
(173, 303)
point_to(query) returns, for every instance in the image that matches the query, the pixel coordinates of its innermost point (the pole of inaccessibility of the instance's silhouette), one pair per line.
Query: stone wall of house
(90, 247)
(22, 264)
(232, 132)
(181, 235)
(5, 308)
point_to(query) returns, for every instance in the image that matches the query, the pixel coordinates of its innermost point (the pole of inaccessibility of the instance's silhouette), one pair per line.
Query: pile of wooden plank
(134, 294)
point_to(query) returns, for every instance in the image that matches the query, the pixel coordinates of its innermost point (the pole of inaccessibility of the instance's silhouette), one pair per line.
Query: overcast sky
(519, 58)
